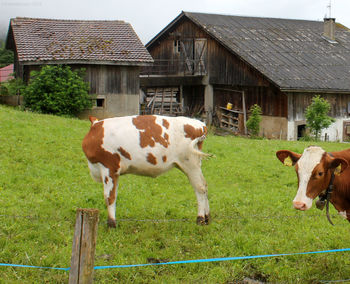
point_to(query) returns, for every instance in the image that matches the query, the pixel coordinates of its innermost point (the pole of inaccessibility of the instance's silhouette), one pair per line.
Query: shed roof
(293, 54)
(40, 41)
(5, 73)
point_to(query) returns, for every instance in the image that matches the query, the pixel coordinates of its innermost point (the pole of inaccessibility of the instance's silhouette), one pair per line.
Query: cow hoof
(202, 220)
(111, 223)
(207, 219)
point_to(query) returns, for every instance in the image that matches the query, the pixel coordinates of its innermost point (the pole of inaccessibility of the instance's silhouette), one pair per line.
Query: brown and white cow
(147, 145)
(314, 169)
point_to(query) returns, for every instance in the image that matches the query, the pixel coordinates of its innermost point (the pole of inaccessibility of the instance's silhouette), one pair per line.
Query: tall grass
(44, 178)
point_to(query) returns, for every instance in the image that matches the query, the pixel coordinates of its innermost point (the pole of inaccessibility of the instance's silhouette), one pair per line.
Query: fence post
(84, 244)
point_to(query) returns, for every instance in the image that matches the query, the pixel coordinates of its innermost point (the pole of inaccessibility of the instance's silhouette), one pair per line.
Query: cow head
(314, 169)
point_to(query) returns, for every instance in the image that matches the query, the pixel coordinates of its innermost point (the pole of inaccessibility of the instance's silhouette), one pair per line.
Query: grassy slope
(44, 175)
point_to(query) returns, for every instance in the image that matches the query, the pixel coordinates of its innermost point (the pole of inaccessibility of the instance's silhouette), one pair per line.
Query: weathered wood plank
(84, 245)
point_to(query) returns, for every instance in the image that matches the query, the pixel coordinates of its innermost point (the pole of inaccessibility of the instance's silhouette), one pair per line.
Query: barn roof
(293, 54)
(38, 41)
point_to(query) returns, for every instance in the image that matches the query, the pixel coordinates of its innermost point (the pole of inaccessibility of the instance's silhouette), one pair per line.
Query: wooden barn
(109, 51)
(208, 62)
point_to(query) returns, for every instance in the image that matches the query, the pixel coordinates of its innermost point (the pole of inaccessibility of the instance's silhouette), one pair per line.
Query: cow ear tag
(288, 162)
(337, 170)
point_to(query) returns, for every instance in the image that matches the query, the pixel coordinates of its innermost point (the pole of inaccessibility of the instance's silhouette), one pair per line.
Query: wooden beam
(154, 101)
(244, 113)
(228, 90)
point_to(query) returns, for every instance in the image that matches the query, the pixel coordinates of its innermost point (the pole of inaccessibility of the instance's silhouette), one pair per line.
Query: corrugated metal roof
(42, 40)
(291, 53)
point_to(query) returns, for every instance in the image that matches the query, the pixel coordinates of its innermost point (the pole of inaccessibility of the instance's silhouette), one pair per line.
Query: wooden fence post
(84, 244)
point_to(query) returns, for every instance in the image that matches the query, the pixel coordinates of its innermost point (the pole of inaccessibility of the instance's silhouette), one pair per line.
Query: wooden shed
(109, 51)
(279, 64)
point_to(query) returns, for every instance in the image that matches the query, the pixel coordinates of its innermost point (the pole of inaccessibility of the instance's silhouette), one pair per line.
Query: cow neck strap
(326, 197)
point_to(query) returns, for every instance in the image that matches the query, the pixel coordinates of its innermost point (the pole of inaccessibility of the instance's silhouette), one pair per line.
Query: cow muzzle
(299, 205)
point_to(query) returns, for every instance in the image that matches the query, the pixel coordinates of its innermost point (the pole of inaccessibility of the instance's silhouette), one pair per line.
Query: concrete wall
(11, 100)
(274, 127)
(335, 132)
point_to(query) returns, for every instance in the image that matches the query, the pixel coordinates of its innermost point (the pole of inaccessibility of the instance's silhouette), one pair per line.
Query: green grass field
(44, 178)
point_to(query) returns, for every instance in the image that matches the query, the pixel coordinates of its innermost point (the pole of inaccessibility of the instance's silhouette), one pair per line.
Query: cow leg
(110, 185)
(200, 186)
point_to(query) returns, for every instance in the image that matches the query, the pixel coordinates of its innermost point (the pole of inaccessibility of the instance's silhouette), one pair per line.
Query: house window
(99, 102)
(177, 46)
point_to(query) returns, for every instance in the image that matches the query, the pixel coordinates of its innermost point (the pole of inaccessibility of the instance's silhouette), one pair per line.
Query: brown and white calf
(314, 169)
(147, 145)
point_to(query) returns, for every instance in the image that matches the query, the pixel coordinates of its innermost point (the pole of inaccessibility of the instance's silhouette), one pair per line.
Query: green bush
(12, 87)
(317, 116)
(253, 123)
(56, 89)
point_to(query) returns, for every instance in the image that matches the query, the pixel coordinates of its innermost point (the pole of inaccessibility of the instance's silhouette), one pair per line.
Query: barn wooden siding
(298, 102)
(103, 79)
(113, 79)
(185, 31)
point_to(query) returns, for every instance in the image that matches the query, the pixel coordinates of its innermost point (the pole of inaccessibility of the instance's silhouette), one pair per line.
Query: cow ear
(92, 119)
(338, 165)
(288, 158)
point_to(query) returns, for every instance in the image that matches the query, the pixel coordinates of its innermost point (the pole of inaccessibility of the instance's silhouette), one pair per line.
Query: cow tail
(194, 147)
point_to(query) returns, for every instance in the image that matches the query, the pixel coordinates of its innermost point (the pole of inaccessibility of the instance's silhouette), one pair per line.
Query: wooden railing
(186, 67)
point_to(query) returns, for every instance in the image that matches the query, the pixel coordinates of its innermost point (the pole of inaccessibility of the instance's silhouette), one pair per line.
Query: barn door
(200, 53)
(187, 55)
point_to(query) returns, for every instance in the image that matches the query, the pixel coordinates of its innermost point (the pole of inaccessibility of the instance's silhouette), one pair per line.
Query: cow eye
(320, 173)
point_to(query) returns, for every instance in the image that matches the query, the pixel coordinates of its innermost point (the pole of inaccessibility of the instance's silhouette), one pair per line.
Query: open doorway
(346, 131)
(301, 131)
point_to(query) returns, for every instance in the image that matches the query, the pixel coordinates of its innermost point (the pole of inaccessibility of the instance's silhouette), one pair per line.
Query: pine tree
(253, 123)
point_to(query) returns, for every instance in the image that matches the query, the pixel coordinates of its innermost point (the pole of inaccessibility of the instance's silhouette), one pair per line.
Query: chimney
(329, 28)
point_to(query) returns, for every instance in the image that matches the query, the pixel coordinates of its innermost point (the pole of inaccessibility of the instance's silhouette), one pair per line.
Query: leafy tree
(317, 115)
(6, 56)
(56, 89)
(253, 123)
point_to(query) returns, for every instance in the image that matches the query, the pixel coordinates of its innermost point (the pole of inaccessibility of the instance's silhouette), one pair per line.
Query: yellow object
(337, 170)
(229, 106)
(288, 162)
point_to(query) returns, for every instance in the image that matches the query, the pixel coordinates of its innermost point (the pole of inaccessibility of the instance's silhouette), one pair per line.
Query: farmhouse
(207, 61)
(109, 51)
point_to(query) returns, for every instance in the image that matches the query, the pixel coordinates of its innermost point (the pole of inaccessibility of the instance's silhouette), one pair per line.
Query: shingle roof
(47, 40)
(291, 53)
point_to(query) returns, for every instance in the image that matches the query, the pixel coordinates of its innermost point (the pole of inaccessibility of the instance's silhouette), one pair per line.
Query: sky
(149, 17)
